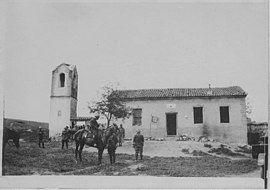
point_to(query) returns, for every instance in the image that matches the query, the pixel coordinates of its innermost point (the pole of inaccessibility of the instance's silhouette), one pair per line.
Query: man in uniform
(112, 145)
(138, 142)
(40, 137)
(65, 137)
(94, 126)
(121, 135)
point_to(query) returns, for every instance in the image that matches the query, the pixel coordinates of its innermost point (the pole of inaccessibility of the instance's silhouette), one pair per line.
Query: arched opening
(62, 80)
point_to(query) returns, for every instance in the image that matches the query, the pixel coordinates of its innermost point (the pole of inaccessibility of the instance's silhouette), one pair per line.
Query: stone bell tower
(63, 103)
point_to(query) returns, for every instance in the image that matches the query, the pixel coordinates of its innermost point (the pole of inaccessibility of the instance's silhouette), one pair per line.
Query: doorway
(171, 123)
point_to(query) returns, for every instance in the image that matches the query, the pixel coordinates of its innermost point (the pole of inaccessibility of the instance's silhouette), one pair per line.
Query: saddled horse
(10, 134)
(97, 139)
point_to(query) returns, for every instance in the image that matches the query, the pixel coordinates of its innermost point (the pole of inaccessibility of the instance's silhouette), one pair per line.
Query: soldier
(65, 137)
(121, 135)
(40, 138)
(72, 131)
(138, 142)
(94, 127)
(93, 123)
(112, 145)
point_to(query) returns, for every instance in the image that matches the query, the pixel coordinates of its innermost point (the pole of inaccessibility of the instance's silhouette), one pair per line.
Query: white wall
(235, 131)
(56, 90)
(58, 122)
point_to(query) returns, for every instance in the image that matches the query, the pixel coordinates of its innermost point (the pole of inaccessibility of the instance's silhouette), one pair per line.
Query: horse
(10, 134)
(96, 138)
(112, 145)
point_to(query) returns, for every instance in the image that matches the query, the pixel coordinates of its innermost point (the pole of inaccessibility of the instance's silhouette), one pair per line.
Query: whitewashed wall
(59, 121)
(235, 131)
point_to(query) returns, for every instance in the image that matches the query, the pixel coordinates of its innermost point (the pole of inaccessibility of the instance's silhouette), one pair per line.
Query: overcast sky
(139, 45)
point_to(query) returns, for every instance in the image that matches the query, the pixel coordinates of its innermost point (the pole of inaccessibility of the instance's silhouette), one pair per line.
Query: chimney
(209, 92)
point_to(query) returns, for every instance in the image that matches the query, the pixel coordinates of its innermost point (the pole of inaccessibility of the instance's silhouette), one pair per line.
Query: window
(137, 117)
(62, 80)
(59, 113)
(198, 115)
(224, 114)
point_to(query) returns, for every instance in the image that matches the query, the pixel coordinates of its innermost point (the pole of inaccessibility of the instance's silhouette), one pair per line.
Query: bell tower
(63, 99)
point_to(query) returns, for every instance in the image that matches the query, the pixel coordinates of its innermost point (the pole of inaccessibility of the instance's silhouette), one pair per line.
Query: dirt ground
(172, 149)
(161, 158)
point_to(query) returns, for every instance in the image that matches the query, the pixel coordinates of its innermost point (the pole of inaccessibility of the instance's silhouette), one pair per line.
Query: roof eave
(180, 98)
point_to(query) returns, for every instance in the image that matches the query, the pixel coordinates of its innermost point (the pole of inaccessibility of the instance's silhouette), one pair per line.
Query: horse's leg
(100, 152)
(141, 153)
(62, 144)
(111, 158)
(110, 155)
(76, 150)
(114, 155)
(80, 150)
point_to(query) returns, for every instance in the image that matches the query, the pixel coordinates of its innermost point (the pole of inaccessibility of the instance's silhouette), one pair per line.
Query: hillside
(28, 129)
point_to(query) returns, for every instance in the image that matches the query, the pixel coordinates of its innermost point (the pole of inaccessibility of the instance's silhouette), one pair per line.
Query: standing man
(40, 137)
(121, 135)
(138, 142)
(112, 145)
(65, 137)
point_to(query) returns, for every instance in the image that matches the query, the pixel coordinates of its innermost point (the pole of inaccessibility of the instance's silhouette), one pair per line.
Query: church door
(171, 123)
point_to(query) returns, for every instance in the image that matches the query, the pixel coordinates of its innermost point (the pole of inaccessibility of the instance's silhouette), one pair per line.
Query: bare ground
(175, 149)
(161, 158)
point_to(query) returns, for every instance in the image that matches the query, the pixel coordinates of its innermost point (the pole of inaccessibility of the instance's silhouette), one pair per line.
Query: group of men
(137, 140)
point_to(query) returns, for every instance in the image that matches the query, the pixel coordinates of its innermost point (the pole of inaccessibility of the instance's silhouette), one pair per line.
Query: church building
(218, 113)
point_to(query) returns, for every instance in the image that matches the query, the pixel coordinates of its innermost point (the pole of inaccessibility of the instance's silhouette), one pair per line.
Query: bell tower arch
(63, 99)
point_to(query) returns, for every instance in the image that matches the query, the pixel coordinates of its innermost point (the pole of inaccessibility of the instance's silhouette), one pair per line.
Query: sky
(138, 45)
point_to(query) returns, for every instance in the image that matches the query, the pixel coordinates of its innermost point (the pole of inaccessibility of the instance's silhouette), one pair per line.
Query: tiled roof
(81, 118)
(233, 91)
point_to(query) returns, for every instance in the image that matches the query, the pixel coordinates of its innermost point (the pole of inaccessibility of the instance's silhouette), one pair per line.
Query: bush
(207, 145)
(185, 150)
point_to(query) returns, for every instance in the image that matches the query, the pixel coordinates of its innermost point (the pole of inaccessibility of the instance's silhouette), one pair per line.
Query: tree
(110, 105)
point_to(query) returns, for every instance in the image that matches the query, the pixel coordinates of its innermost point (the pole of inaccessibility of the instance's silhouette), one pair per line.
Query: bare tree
(110, 104)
